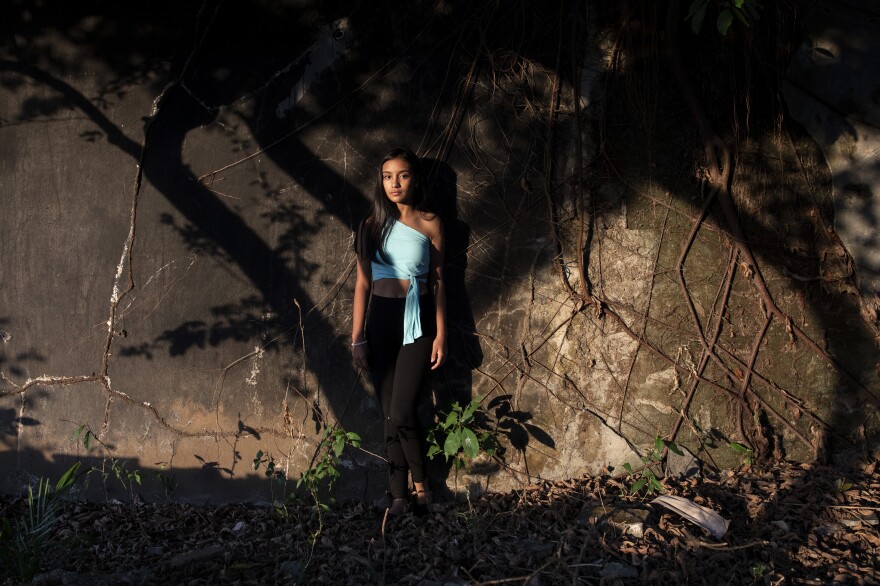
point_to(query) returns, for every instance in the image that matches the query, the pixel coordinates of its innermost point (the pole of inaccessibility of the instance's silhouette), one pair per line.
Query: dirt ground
(789, 524)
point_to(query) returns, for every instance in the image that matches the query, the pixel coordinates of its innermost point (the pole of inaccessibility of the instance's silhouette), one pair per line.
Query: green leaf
(470, 443)
(637, 486)
(656, 485)
(738, 447)
(433, 450)
(338, 445)
(741, 16)
(697, 20)
(451, 419)
(752, 11)
(738, 3)
(695, 5)
(673, 447)
(68, 478)
(658, 445)
(354, 439)
(469, 411)
(452, 444)
(628, 467)
(724, 21)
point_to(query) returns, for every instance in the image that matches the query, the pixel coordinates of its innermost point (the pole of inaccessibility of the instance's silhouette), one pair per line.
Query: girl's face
(398, 181)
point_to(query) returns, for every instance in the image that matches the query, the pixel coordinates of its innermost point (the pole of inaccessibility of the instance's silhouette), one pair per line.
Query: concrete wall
(179, 188)
(833, 89)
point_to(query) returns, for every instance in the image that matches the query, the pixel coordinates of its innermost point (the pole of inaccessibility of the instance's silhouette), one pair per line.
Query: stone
(782, 525)
(829, 529)
(535, 549)
(200, 555)
(684, 466)
(617, 570)
(838, 107)
(291, 569)
(627, 521)
(869, 519)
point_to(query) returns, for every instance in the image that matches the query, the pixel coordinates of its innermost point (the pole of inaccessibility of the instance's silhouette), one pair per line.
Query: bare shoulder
(430, 225)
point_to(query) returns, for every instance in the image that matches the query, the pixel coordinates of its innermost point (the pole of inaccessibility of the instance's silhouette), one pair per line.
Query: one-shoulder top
(407, 256)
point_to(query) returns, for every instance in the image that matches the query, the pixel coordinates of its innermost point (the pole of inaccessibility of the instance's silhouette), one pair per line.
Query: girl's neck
(405, 211)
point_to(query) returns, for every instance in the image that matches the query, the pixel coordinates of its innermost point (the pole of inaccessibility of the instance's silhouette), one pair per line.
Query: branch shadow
(783, 192)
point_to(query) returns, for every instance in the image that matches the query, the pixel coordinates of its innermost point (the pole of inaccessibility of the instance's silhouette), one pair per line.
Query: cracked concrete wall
(833, 89)
(240, 141)
(201, 368)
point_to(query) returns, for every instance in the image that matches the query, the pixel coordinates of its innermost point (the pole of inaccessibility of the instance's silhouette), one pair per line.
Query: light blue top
(407, 256)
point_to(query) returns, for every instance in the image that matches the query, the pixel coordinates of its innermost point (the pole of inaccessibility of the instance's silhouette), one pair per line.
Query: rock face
(179, 197)
(833, 89)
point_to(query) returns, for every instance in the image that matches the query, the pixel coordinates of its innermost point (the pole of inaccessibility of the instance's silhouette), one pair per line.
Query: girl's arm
(362, 287)
(436, 282)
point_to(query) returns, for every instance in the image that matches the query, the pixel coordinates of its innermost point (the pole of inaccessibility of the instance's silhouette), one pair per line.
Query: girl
(400, 262)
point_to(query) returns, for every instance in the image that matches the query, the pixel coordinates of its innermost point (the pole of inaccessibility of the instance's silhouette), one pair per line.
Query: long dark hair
(375, 227)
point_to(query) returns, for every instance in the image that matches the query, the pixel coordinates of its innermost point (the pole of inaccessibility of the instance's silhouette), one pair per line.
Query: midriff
(395, 288)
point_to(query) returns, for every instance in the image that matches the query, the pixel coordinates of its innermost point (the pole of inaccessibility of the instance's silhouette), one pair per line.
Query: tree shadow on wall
(783, 191)
(10, 422)
(454, 382)
(214, 229)
(202, 218)
(205, 222)
(17, 364)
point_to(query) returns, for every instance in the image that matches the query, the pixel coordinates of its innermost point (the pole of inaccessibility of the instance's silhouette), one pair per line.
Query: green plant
(646, 478)
(278, 477)
(329, 451)
(168, 483)
(23, 538)
(273, 471)
(110, 465)
(323, 466)
(842, 485)
(462, 434)
(745, 452)
(758, 570)
(745, 11)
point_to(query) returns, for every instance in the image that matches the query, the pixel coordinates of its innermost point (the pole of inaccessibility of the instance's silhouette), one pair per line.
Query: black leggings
(397, 372)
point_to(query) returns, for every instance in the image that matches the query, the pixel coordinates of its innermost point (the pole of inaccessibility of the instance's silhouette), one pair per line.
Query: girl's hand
(359, 354)
(438, 353)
